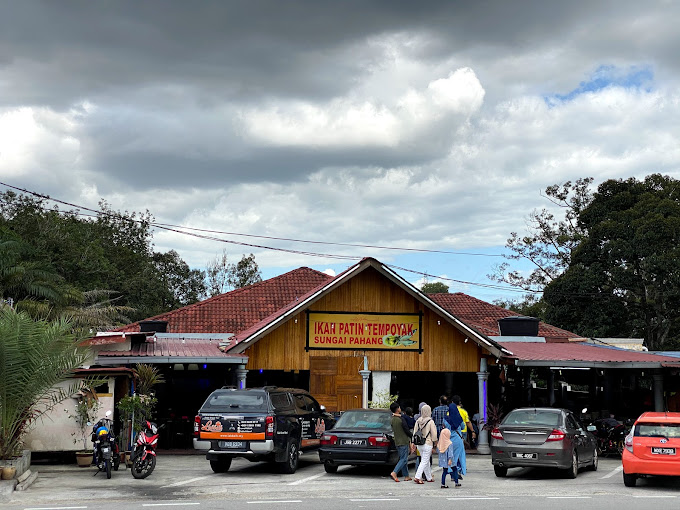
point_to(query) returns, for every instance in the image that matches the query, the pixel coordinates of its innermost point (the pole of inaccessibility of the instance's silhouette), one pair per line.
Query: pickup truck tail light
(269, 428)
(556, 435)
(328, 439)
(378, 441)
(496, 434)
(197, 425)
(629, 442)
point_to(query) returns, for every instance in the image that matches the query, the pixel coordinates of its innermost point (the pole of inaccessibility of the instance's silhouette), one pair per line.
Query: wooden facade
(334, 374)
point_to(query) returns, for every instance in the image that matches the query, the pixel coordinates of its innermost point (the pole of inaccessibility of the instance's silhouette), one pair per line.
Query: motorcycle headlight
(154, 429)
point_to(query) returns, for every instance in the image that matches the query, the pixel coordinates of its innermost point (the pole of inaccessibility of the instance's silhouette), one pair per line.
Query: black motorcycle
(106, 453)
(611, 436)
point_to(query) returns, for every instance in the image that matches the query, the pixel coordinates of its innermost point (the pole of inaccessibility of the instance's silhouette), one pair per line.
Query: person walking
(447, 458)
(467, 424)
(439, 414)
(402, 440)
(425, 425)
(454, 422)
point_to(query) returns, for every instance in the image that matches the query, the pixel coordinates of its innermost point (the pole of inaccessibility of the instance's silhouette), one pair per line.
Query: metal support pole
(365, 374)
(482, 379)
(659, 405)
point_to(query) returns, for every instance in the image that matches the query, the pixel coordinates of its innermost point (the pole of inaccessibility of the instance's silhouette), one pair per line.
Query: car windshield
(667, 430)
(364, 420)
(235, 400)
(533, 417)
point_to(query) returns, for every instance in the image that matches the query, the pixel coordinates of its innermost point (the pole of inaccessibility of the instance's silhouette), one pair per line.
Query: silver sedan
(542, 437)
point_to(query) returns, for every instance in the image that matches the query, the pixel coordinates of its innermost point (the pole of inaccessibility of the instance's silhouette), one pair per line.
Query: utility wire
(178, 230)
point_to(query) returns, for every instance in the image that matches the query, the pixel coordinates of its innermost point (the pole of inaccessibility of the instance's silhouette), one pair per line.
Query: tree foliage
(434, 288)
(60, 256)
(611, 267)
(624, 275)
(221, 276)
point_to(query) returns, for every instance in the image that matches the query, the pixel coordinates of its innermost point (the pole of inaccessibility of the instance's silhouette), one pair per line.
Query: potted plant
(85, 414)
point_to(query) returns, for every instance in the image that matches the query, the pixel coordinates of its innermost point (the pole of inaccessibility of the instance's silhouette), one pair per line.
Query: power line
(177, 229)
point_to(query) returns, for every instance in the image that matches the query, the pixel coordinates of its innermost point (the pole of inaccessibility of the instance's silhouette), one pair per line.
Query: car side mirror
(323, 408)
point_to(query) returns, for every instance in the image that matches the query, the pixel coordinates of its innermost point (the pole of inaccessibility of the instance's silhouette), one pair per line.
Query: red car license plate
(657, 450)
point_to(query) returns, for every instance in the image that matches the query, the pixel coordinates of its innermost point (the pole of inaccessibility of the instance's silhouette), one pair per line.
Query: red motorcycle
(144, 455)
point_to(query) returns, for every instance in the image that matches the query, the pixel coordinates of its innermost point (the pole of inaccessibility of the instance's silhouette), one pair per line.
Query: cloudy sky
(430, 125)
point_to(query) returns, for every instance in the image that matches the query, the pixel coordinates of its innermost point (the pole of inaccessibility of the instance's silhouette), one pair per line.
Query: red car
(652, 447)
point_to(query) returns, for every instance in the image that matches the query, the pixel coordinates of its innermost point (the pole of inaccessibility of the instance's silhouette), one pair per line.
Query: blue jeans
(402, 465)
(453, 473)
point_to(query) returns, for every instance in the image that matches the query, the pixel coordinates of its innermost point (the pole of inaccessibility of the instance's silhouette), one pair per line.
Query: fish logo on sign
(663, 440)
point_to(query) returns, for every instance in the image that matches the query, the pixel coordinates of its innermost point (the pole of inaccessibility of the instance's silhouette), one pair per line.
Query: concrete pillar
(381, 384)
(482, 379)
(241, 374)
(551, 388)
(659, 405)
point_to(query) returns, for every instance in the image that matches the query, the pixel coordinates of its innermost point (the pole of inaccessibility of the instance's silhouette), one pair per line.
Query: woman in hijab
(454, 422)
(425, 424)
(420, 408)
(447, 458)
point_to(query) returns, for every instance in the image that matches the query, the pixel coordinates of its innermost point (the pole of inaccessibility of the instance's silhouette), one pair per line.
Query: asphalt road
(187, 482)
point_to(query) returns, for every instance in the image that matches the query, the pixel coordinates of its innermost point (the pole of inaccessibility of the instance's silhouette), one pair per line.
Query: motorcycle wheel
(141, 468)
(107, 468)
(620, 445)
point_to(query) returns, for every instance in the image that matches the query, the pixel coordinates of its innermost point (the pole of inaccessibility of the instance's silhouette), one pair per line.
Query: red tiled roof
(579, 351)
(484, 316)
(173, 347)
(239, 309)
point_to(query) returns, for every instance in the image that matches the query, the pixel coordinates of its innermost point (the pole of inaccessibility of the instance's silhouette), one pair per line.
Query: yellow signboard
(363, 331)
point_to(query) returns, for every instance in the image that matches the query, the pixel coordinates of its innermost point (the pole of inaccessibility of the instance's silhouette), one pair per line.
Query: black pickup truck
(261, 424)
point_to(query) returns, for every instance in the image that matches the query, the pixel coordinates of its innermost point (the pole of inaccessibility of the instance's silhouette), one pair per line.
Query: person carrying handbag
(424, 437)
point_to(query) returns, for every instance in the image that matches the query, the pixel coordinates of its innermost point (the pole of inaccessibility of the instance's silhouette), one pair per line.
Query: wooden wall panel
(444, 349)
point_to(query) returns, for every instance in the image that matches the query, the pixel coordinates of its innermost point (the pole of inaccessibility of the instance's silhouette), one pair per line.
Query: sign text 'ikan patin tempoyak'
(363, 331)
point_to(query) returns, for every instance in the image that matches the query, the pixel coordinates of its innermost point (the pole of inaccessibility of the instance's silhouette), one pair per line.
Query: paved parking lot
(184, 478)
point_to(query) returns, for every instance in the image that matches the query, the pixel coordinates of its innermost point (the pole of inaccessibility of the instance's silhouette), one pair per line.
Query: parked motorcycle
(106, 453)
(144, 454)
(611, 435)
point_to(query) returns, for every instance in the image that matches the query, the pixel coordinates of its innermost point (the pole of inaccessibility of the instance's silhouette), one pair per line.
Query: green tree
(245, 272)
(529, 305)
(35, 356)
(549, 241)
(434, 288)
(624, 274)
(217, 274)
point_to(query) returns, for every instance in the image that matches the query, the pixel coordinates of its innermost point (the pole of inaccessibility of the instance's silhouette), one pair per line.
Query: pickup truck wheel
(289, 466)
(330, 467)
(221, 465)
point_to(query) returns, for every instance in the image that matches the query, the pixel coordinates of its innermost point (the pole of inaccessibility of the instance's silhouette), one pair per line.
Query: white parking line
(170, 504)
(266, 501)
(56, 508)
(653, 496)
(569, 497)
(470, 497)
(377, 499)
(609, 475)
(313, 477)
(185, 482)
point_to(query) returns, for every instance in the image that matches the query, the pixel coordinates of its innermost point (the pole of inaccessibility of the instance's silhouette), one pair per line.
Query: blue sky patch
(635, 77)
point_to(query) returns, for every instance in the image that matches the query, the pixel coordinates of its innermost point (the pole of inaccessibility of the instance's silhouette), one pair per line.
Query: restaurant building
(358, 336)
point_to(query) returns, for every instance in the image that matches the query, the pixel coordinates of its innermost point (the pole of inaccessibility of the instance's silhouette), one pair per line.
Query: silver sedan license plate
(232, 444)
(663, 451)
(525, 455)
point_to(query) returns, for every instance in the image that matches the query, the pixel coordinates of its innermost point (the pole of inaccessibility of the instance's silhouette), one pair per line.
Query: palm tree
(35, 357)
